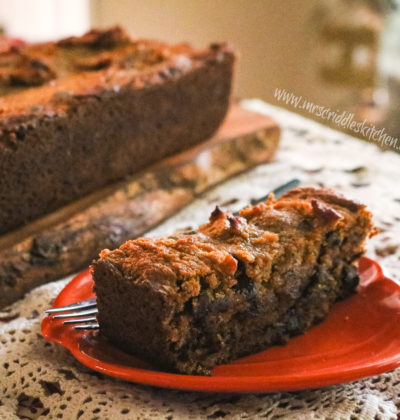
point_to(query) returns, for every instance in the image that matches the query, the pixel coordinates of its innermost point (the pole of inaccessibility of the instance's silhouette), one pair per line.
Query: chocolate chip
(306, 225)
(292, 325)
(333, 238)
(350, 279)
(244, 283)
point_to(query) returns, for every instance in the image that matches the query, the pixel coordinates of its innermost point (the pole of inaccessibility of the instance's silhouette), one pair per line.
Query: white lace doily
(39, 379)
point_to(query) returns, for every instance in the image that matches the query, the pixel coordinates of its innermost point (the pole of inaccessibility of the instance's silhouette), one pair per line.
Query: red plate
(359, 338)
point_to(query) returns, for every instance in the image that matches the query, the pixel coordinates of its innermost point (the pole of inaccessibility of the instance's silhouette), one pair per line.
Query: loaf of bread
(80, 113)
(237, 285)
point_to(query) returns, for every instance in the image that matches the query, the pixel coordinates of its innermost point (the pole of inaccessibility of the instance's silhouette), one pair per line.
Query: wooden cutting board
(69, 239)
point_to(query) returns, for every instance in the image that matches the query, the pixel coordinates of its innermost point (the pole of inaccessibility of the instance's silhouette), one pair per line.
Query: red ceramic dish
(360, 337)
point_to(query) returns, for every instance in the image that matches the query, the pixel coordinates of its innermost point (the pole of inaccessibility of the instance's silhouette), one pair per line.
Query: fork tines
(87, 327)
(80, 320)
(89, 303)
(77, 314)
(80, 315)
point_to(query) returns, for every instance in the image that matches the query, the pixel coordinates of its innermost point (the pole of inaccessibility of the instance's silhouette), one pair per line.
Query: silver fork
(88, 307)
(82, 309)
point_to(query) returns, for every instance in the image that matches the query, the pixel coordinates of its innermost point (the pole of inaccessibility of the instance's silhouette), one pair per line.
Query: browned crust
(255, 232)
(327, 195)
(51, 85)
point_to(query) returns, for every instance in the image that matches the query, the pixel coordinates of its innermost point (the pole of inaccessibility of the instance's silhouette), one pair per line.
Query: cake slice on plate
(237, 285)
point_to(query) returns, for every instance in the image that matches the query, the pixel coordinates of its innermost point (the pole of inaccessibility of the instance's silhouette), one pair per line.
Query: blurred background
(340, 54)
